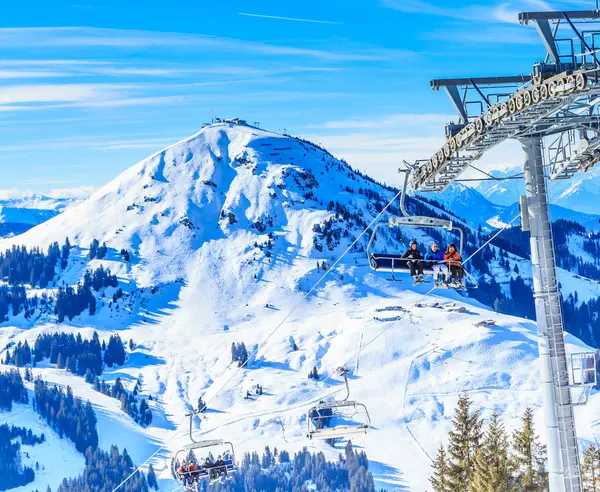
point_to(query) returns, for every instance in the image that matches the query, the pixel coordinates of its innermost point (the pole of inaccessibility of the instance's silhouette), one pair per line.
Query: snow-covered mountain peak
(226, 231)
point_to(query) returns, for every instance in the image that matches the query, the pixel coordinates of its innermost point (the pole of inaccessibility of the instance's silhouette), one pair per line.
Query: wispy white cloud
(53, 93)
(78, 192)
(50, 62)
(30, 74)
(505, 12)
(131, 101)
(91, 142)
(422, 121)
(149, 143)
(52, 181)
(19, 194)
(295, 19)
(89, 37)
(485, 35)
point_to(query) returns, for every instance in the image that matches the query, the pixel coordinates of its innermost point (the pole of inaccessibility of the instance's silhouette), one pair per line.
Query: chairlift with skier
(394, 263)
(211, 459)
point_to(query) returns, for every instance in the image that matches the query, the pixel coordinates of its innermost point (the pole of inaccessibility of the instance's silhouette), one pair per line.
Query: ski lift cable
(305, 296)
(298, 305)
(268, 337)
(308, 401)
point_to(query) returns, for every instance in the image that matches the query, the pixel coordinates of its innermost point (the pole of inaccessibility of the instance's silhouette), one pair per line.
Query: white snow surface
(197, 283)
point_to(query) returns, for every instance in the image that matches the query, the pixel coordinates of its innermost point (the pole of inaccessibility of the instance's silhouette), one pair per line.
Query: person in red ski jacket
(454, 262)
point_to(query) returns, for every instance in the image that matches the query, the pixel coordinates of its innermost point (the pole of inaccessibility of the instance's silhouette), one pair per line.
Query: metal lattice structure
(555, 113)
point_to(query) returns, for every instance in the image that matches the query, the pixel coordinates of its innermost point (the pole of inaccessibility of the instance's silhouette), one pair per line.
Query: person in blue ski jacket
(435, 260)
(414, 261)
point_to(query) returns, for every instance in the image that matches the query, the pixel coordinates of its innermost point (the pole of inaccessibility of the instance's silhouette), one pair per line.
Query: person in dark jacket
(435, 260)
(414, 260)
(454, 262)
(220, 466)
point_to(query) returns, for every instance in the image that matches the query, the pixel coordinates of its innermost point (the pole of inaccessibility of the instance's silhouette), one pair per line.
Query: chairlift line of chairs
(201, 453)
(394, 263)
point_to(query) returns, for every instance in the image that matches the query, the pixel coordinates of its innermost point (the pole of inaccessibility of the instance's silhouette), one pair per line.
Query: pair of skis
(424, 279)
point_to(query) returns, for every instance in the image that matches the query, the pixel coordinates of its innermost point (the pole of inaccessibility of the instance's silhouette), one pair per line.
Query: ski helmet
(413, 242)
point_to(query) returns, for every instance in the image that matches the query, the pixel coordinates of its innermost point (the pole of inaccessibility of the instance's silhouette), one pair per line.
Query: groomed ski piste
(196, 218)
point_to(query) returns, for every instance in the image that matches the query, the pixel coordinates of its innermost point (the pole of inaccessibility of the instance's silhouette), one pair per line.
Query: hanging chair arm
(403, 196)
(346, 383)
(370, 243)
(462, 239)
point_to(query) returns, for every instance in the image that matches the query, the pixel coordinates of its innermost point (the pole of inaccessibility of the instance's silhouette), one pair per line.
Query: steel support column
(561, 437)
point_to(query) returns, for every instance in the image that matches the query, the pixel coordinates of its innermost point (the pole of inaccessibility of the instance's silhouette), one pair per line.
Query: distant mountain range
(579, 193)
(478, 209)
(19, 212)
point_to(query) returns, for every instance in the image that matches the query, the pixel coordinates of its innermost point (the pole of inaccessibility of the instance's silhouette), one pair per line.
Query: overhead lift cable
(268, 337)
(362, 349)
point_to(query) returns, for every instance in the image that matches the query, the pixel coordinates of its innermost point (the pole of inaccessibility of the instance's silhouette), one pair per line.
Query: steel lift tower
(554, 113)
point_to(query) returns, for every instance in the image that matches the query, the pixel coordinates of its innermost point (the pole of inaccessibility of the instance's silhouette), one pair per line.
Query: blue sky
(88, 88)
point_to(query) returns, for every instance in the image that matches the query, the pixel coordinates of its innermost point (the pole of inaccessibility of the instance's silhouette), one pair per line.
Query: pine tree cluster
(275, 471)
(131, 402)
(13, 299)
(12, 389)
(97, 251)
(72, 301)
(66, 414)
(590, 469)
(78, 355)
(21, 355)
(125, 255)
(478, 460)
(115, 351)
(239, 353)
(18, 266)
(104, 471)
(12, 472)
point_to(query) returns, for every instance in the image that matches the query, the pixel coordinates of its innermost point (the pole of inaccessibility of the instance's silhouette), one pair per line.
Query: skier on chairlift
(414, 260)
(454, 262)
(435, 259)
(183, 472)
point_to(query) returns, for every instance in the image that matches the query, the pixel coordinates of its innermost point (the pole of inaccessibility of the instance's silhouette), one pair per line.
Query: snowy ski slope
(196, 219)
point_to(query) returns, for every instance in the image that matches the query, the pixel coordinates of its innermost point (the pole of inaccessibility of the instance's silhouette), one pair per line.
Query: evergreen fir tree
(529, 457)
(492, 463)
(463, 443)
(439, 479)
(152, 483)
(590, 469)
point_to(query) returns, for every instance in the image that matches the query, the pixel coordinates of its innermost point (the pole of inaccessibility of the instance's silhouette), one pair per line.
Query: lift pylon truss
(561, 103)
(554, 113)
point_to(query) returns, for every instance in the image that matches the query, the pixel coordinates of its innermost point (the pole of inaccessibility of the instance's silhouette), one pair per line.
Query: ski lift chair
(583, 375)
(394, 263)
(320, 416)
(201, 452)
